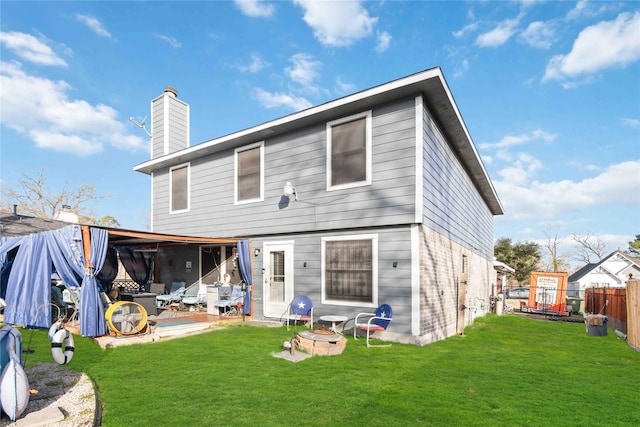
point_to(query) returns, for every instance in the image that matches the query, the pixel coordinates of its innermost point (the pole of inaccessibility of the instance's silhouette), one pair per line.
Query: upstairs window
(249, 173)
(349, 152)
(179, 188)
(350, 270)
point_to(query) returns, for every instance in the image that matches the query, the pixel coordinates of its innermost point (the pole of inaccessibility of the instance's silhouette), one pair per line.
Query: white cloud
(578, 10)
(499, 35)
(275, 99)
(466, 29)
(257, 64)
(524, 200)
(41, 110)
(538, 34)
(607, 44)
(255, 8)
(511, 140)
(521, 169)
(462, 69)
(344, 87)
(94, 25)
(30, 48)
(384, 40)
(305, 70)
(589, 9)
(634, 123)
(169, 39)
(337, 24)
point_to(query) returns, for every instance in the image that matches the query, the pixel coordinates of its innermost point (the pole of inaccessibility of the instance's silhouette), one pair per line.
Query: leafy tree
(35, 198)
(108, 221)
(634, 247)
(523, 257)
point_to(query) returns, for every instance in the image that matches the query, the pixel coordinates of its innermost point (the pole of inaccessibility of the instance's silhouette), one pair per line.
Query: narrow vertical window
(249, 174)
(348, 148)
(180, 188)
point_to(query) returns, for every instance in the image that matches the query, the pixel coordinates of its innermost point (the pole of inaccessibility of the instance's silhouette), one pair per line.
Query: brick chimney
(169, 123)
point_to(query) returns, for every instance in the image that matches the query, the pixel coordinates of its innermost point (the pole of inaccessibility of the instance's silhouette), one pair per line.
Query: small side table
(335, 320)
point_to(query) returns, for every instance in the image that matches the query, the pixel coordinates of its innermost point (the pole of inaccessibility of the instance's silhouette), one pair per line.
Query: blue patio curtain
(109, 270)
(136, 265)
(92, 323)
(29, 285)
(244, 263)
(67, 253)
(8, 250)
(6, 244)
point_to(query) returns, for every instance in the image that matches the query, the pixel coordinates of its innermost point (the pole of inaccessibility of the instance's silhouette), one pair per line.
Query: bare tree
(556, 263)
(34, 198)
(591, 248)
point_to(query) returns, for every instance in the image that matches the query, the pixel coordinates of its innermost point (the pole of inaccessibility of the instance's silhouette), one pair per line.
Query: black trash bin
(596, 325)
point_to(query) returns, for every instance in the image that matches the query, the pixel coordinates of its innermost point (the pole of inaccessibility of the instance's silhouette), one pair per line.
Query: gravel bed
(53, 386)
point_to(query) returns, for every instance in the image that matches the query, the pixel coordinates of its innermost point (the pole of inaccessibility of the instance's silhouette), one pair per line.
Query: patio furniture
(157, 288)
(230, 302)
(165, 301)
(300, 309)
(373, 322)
(195, 302)
(335, 320)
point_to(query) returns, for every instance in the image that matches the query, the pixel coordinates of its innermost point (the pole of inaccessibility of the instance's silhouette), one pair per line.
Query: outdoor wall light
(289, 190)
(256, 251)
(395, 264)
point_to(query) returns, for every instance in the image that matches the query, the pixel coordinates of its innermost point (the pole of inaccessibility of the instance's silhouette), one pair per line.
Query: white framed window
(249, 173)
(349, 273)
(179, 188)
(349, 152)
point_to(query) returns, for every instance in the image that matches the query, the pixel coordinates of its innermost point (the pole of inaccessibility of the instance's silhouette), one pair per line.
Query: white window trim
(374, 255)
(188, 165)
(235, 173)
(368, 145)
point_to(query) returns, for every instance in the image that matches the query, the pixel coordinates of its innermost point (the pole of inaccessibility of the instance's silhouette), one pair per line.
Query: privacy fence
(621, 306)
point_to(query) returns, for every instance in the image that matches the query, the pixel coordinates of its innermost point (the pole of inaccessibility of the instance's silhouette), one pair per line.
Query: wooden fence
(633, 311)
(611, 302)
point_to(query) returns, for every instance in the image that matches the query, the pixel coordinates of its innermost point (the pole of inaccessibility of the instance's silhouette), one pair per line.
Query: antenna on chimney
(141, 125)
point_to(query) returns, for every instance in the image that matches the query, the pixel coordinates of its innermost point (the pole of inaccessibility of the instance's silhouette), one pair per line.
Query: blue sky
(550, 91)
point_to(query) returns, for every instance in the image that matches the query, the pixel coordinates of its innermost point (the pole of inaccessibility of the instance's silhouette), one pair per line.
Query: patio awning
(121, 237)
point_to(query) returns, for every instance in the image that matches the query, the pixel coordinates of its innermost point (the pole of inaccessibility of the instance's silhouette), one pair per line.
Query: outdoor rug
(176, 323)
(168, 314)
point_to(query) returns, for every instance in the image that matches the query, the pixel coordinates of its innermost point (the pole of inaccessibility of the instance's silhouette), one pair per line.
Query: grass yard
(507, 370)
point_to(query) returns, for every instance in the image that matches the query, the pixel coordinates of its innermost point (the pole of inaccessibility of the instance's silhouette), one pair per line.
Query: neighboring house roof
(13, 224)
(582, 272)
(575, 277)
(502, 267)
(431, 83)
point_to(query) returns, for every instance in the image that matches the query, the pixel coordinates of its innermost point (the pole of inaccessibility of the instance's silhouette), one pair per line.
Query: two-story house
(613, 271)
(376, 197)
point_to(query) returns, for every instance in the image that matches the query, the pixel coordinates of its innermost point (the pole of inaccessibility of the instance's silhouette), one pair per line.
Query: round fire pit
(320, 342)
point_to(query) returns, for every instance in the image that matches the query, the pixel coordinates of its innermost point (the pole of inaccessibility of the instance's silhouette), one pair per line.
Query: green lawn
(506, 370)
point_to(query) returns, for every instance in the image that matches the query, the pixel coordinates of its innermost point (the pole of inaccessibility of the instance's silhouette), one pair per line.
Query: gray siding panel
(300, 157)
(394, 284)
(178, 125)
(157, 129)
(452, 204)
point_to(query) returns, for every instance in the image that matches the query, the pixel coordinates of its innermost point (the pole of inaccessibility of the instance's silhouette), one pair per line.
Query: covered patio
(87, 260)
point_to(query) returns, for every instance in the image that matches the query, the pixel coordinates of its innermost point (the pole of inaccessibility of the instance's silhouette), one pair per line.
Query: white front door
(277, 278)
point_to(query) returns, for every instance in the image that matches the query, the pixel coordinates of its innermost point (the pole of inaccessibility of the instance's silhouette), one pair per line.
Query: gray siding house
(376, 197)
